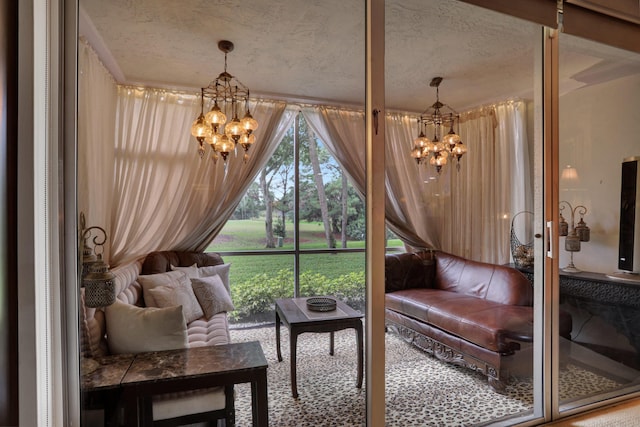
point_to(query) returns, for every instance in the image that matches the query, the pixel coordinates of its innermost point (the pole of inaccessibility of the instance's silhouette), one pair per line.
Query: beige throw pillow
(150, 281)
(212, 295)
(182, 294)
(221, 270)
(192, 271)
(133, 329)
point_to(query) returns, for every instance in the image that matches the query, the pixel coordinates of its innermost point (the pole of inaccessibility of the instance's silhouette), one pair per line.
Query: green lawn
(239, 235)
(249, 234)
(246, 267)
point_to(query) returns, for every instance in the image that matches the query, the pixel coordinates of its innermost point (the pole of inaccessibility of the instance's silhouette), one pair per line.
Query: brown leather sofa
(470, 313)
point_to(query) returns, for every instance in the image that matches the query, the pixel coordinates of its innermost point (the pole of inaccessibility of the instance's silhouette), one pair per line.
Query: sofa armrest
(409, 270)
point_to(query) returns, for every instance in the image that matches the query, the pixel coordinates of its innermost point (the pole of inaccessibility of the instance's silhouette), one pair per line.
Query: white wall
(599, 127)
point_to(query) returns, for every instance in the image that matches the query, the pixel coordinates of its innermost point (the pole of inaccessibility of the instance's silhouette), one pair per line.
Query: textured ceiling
(315, 50)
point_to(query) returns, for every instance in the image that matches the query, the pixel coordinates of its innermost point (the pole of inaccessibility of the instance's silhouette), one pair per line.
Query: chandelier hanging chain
(438, 151)
(223, 136)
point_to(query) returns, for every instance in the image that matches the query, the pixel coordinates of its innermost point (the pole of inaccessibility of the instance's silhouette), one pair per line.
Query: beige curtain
(141, 179)
(465, 211)
(413, 205)
(97, 100)
(492, 185)
(274, 119)
(165, 196)
(343, 133)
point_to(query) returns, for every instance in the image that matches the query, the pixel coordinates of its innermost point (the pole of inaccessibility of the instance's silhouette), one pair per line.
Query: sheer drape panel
(157, 169)
(413, 203)
(513, 127)
(493, 183)
(465, 212)
(97, 99)
(470, 210)
(343, 133)
(166, 196)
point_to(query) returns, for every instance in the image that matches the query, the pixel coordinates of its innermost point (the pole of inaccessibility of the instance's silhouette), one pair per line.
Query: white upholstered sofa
(131, 326)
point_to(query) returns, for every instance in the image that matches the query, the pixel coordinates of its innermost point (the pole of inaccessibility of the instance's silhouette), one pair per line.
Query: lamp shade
(215, 117)
(569, 173)
(249, 123)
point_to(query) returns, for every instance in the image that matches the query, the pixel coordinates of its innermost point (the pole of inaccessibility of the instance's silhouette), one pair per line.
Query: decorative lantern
(564, 226)
(99, 284)
(575, 234)
(97, 280)
(572, 243)
(583, 231)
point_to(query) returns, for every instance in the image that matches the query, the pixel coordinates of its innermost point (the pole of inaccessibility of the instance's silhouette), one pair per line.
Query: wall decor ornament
(573, 234)
(522, 253)
(97, 280)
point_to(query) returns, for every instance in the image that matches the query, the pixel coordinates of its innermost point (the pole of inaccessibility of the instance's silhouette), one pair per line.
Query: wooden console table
(197, 368)
(136, 378)
(101, 380)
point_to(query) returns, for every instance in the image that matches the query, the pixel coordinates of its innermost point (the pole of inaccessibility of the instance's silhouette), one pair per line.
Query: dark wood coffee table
(294, 314)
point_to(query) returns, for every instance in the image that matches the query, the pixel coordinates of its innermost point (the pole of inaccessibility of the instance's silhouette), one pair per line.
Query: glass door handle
(549, 239)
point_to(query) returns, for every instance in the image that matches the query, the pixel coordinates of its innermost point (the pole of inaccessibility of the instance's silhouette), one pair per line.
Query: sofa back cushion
(408, 270)
(161, 262)
(495, 283)
(128, 290)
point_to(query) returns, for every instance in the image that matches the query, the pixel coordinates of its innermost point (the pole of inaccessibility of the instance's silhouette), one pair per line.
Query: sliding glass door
(473, 199)
(599, 285)
(497, 76)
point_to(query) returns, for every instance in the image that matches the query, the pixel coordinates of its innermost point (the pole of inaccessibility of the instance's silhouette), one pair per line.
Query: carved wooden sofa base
(493, 366)
(470, 313)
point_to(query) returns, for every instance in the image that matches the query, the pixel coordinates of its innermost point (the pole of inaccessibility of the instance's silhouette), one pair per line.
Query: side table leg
(293, 342)
(331, 343)
(278, 336)
(359, 334)
(259, 403)
(131, 407)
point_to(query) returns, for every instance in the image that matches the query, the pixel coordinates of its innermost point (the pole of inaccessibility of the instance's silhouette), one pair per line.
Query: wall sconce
(575, 234)
(97, 280)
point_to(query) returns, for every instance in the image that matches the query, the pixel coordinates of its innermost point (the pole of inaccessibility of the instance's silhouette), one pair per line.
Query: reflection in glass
(602, 355)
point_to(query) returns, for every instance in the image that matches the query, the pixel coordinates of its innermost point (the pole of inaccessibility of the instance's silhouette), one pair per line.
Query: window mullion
(296, 206)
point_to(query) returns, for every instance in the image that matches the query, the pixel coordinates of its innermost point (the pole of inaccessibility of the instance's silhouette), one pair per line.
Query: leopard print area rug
(420, 390)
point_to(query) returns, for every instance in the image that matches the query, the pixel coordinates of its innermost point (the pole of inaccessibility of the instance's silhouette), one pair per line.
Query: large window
(299, 230)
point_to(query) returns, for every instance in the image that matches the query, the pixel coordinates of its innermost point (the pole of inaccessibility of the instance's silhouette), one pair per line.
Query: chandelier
(228, 95)
(438, 118)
